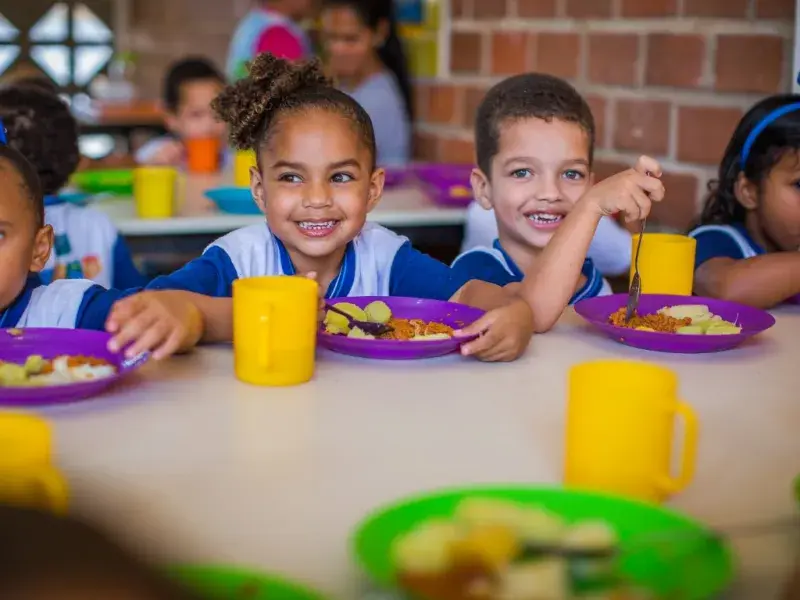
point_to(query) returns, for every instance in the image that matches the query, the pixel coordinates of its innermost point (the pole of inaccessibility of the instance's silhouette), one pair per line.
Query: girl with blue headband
(749, 233)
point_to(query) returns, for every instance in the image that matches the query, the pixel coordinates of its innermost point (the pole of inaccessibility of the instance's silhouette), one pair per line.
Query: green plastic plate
(696, 566)
(229, 583)
(105, 181)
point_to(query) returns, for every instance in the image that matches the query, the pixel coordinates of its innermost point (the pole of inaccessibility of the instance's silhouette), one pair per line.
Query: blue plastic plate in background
(233, 200)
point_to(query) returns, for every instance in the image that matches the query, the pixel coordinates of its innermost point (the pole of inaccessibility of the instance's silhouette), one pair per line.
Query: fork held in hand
(636, 283)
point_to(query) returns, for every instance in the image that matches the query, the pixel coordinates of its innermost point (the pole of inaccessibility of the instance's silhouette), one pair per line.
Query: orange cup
(202, 155)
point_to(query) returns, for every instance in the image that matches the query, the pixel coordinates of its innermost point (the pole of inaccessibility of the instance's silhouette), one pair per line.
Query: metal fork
(636, 283)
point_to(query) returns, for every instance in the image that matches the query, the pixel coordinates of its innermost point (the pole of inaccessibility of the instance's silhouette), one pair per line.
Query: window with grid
(71, 42)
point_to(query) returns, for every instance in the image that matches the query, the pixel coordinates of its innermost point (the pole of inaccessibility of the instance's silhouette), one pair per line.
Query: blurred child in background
(272, 26)
(366, 59)
(41, 127)
(749, 233)
(189, 87)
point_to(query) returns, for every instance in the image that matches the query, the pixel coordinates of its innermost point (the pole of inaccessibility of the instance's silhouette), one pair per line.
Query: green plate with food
(104, 181)
(520, 541)
(230, 583)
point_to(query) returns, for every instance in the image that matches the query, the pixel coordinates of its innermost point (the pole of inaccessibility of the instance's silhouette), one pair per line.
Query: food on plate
(415, 330)
(684, 319)
(492, 549)
(38, 371)
(460, 191)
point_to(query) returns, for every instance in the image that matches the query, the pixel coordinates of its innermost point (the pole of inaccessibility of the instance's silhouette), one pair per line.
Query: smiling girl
(316, 181)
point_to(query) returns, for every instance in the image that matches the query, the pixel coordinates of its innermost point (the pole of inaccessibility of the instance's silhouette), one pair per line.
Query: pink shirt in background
(281, 42)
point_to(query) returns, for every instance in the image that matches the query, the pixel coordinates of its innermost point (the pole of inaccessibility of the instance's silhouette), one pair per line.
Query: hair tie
(3, 138)
(762, 125)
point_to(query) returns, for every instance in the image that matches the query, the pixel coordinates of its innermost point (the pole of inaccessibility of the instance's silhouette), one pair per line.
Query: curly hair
(275, 87)
(528, 96)
(29, 181)
(41, 127)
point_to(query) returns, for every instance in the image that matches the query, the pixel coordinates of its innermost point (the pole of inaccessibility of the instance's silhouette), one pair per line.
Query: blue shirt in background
(495, 265)
(87, 246)
(377, 262)
(381, 97)
(727, 241)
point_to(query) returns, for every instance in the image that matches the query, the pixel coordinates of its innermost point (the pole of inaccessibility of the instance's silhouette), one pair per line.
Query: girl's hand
(164, 322)
(630, 192)
(504, 333)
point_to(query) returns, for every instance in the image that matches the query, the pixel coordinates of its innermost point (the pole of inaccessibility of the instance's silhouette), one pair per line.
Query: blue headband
(3, 138)
(762, 125)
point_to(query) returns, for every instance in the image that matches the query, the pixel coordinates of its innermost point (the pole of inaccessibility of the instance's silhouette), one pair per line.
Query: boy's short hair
(528, 96)
(30, 180)
(40, 126)
(186, 71)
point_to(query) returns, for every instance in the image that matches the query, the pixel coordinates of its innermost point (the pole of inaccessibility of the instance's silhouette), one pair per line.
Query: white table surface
(399, 207)
(185, 458)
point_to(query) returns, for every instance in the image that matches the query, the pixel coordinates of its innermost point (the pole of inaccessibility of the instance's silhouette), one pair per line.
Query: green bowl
(229, 583)
(105, 181)
(695, 566)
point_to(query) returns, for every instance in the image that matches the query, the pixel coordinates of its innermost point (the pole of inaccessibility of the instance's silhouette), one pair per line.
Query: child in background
(163, 322)
(87, 245)
(48, 557)
(316, 181)
(749, 233)
(366, 59)
(534, 136)
(189, 87)
(270, 27)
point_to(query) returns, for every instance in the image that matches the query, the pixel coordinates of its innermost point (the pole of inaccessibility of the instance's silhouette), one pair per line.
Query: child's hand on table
(631, 192)
(504, 333)
(164, 322)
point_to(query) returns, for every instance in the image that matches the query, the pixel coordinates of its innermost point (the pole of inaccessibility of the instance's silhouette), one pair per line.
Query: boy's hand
(321, 305)
(630, 192)
(163, 322)
(169, 154)
(504, 332)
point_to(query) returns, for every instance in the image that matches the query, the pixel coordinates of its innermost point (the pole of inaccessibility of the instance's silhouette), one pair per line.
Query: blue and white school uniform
(64, 304)
(377, 262)
(496, 266)
(727, 241)
(87, 246)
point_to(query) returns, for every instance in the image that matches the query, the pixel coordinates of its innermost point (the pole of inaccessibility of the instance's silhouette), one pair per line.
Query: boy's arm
(217, 315)
(762, 281)
(483, 295)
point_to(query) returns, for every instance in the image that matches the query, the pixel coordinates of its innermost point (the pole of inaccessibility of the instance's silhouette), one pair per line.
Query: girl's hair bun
(249, 105)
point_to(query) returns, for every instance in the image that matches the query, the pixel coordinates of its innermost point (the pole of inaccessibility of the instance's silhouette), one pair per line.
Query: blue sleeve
(211, 274)
(715, 244)
(417, 275)
(96, 304)
(483, 266)
(126, 275)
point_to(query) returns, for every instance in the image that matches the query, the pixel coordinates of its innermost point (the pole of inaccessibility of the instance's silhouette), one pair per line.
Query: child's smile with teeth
(318, 228)
(544, 219)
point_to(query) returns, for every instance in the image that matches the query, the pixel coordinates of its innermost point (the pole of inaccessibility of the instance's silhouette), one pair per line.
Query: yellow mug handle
(264, 330)
(673, 485)
(54, 490)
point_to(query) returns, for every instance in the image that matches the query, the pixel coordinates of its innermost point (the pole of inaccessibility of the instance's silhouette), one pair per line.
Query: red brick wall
(665, 77)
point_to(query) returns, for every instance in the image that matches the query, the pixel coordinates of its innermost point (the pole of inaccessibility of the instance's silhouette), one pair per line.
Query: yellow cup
(620, 429)
(274, 329)
(27, 477)
(242, 161)
(154, 192)
(666, 263)
(41, 487)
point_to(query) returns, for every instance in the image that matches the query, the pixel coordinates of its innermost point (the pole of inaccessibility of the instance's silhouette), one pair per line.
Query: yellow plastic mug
(41, 487)
(666, 263)
(154, 192)
(242, 161)
(274, 329)
(620, 428)
(26, 441)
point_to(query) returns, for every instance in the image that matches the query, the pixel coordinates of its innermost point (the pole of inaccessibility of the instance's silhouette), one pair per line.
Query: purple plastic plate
(449, 184)
(395, 177)
(51, 343)
(449, 313)
(794, 300)
(752, 320)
